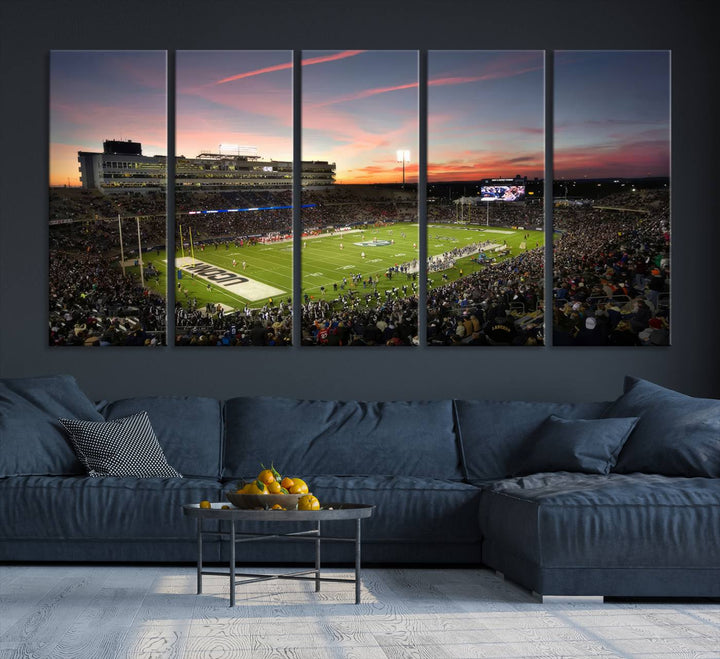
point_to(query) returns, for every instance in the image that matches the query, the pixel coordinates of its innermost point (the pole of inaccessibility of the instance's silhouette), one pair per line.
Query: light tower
(403, 156)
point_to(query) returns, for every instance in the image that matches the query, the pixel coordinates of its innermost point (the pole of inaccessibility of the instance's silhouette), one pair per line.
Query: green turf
(324, 263)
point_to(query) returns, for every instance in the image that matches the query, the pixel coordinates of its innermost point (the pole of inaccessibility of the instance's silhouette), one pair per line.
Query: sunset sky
(485, 114)
(357, 111)
(236, 97)
(360, 107)
(101, 95)
(612, 114)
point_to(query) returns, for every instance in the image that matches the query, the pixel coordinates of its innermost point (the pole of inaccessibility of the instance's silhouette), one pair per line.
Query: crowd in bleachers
(498, 305)
(269, 326)
(528, 215)
(92, 304)
(612, 272)
(610, 281)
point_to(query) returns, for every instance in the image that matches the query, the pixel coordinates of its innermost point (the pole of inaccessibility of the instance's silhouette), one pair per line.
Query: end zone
(240, 285)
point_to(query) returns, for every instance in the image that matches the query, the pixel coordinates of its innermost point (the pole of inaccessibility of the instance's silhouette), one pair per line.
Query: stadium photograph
(231, 271)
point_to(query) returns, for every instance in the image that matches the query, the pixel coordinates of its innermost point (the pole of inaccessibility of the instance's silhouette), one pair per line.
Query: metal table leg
(232, 562)
(357, 561)
(317, 560)
(200, 556)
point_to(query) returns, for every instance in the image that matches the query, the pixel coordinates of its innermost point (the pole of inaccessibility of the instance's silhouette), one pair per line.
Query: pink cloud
(288, 65)
(629, 158)
(490, 75)
(366, 93)
(473, 165)
(349, 136)
(608, 123)
(193, 142)
(152, 77)
(503, 69)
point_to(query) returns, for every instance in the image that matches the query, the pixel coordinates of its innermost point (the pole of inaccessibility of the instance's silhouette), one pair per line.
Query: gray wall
(31, 28)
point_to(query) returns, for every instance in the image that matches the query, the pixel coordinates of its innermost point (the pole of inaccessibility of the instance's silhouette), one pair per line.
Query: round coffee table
(329, 513)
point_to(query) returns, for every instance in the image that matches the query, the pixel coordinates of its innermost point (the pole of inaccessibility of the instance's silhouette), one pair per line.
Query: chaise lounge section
(639, 535)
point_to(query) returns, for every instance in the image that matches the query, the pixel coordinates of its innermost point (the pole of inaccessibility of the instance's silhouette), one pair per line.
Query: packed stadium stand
(611, 273)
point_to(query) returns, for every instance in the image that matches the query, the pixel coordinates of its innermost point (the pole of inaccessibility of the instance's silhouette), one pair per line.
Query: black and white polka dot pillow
(121, 447)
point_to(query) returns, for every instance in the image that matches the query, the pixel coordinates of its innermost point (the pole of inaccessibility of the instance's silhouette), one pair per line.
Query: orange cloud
(64, 167)
(474, 165)
(390, 173)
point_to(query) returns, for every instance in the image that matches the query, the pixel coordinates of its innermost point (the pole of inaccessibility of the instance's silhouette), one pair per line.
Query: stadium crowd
(93, 305)
(498, 305)
(612, 269)
(610, 281)
(269, 326)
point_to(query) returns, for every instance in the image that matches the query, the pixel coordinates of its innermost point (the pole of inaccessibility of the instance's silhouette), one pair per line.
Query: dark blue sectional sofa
(463, 482)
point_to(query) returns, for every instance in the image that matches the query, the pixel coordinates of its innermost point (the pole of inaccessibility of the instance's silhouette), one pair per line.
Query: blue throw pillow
(677, 435)
(32, 441)
(493, 434)
(589, 446)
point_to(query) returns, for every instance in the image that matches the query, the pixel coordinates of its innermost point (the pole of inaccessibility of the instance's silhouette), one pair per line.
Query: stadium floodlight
(403, 156)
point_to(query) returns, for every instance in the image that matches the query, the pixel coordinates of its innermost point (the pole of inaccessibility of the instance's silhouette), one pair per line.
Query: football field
(252, 275)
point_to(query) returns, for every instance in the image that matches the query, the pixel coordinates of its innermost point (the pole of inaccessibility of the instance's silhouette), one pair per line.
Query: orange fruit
(256, 487)
(287, 482)
(205, 504)
(299, 486)
(277, 506)
(266, 476)
(274, 487)
(225, 507)
(308, 502)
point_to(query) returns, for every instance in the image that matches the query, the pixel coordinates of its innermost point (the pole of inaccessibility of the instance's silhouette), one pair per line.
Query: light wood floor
(83, 612)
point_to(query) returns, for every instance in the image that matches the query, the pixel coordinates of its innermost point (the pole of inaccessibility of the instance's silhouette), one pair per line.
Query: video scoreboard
(503, 190)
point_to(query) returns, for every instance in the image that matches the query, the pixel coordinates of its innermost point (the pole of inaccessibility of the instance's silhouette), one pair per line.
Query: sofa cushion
(408, 509)
(677, 435)
(121, 447)
(32, 440)
(493, 434)
(568, 520)
(313, 437)
(101, 509)
(590, 446)
(189, 429)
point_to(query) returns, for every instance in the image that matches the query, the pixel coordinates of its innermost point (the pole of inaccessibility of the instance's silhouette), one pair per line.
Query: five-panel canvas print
(227, 255)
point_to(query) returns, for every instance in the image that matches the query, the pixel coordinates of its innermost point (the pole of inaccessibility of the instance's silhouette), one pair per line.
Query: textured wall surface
(30, 29)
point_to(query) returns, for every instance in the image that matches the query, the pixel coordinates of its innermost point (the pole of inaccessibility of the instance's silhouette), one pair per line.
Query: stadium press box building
(122, 165)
